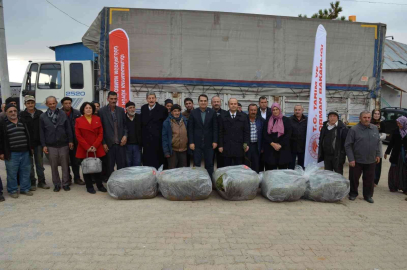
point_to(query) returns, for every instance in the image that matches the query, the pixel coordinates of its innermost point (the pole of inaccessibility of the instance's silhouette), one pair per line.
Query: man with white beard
(133, 146)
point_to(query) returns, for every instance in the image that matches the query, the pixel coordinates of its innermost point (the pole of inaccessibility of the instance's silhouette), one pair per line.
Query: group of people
(263, 139)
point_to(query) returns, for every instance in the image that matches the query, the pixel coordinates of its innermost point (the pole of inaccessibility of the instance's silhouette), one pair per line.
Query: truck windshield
(50, 76)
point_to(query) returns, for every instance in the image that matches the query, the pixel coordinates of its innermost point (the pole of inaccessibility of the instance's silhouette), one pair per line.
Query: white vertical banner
(317, 101)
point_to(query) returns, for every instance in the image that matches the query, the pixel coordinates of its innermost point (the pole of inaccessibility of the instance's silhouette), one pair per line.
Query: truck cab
(74, 79)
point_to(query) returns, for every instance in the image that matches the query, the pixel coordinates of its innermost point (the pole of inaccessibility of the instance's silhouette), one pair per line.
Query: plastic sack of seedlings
(325, 186)
(133, 183)
(283, 185)
(185, 184)
(236, 183)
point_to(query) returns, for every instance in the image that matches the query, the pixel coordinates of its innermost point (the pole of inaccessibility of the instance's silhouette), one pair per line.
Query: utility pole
(5, 84)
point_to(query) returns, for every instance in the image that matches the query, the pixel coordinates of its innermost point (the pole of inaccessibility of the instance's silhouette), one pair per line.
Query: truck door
(49, 83)
(79, 82)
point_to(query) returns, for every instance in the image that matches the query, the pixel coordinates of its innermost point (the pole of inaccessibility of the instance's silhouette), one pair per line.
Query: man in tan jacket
(175, 138)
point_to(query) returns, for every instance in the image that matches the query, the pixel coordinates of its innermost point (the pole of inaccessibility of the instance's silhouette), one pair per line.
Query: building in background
(394, 75)
(15, 90)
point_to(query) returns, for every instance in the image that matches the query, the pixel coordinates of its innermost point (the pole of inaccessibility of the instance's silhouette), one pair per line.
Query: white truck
(74, 79)
(181, 54)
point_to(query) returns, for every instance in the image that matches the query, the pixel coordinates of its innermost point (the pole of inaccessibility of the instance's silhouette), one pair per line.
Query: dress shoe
(66, 188)
(102, 189)
(43, 185)
(57, 188)
(393, 190)
(79, 182)
(14, 195)
(27, 193)
(91, 190)
(352, 198)
(2, 198)
(33, 188)
(369, 200)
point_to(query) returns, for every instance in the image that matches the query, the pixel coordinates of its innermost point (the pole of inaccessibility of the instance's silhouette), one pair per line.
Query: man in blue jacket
(252, 157)
(203, 133)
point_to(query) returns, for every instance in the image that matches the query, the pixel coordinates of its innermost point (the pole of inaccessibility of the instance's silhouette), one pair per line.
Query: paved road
(77, 230)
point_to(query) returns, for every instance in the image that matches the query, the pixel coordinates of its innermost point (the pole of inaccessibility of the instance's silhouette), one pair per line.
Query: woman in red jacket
(89, 133)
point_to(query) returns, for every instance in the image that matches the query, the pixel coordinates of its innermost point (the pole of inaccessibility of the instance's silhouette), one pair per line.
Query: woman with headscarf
(397, 148)
(376, 120)
(276, 140)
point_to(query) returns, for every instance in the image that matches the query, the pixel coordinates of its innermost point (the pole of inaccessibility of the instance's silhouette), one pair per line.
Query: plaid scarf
(53, 115)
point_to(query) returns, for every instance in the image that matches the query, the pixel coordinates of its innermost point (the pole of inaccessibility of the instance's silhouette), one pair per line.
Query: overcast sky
(33, 26)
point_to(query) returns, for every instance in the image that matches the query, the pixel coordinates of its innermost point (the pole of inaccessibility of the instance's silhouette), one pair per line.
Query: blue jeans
(37, 160)
(294, 156)
(133, 155)
(19, 163)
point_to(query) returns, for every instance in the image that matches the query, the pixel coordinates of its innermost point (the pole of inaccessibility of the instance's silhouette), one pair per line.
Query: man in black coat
(153, 116)
(234, 135)
(72, 115)
(331, 149)
(133, 145)
(216, 106)
(114, 133)
(203, 133)
(298, 136)
(264, 112)
(31, 117)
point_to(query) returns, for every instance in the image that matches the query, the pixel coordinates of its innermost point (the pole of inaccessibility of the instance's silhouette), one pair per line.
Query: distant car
(389, 117)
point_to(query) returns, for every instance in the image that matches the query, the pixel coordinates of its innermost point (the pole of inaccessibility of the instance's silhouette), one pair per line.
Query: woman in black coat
(276, 140)
(376, 120)
(397, 147)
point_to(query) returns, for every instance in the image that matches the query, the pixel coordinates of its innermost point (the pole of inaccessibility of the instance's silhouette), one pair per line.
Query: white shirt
(233, 115)
(150, 108)
(331, 127)
(263, 114)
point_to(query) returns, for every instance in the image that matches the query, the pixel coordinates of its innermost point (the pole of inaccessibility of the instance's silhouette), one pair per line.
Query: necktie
(233, 116)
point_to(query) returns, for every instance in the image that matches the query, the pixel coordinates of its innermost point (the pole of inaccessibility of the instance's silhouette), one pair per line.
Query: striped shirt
(17, 137)
(253, 132)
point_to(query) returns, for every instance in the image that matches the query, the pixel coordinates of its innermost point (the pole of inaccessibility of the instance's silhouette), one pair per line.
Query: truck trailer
(181, 53)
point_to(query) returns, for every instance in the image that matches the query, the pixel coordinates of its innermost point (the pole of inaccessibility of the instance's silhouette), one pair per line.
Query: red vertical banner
(119, 54)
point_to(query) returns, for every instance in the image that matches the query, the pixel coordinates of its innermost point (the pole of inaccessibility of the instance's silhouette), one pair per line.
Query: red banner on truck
(119, 51)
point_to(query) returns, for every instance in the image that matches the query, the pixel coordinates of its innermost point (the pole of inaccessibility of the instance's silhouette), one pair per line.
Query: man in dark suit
(234, 135)
(216, 106)
(203, 133)
(114, 133)
(264, 112)
(153, 116)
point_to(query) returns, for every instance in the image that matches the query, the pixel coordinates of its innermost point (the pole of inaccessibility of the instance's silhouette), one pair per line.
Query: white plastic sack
(325, 186)
(132, 183)
(185, 184)
(283, 185)
(236, 183)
